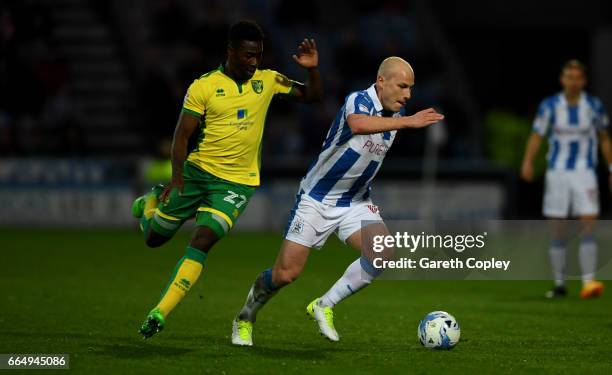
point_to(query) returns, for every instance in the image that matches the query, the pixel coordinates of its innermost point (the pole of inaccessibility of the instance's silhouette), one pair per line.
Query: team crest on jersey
(257, 85)
(373, 208)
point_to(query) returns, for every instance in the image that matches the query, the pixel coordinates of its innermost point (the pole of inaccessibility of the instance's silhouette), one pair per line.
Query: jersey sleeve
(195, 99)
(358, 103)
(542, 121)
(602, 121)
(282, 84)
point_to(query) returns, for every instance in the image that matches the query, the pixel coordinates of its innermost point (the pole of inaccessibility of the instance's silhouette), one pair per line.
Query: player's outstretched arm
(308, 58)
(533, 145)
(366, 124)
(186, 125)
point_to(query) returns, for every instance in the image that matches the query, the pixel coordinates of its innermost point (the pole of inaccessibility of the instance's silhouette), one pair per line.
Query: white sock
(587, 253)
(557, 261)
(355, 278)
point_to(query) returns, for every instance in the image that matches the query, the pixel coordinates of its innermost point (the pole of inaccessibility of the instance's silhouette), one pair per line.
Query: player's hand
(527, 172)
(176, 183)
(424, 118)
(307, 56)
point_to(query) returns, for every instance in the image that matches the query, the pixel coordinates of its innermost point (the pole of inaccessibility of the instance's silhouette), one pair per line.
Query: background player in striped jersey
(214, 182)
(574, 122)
(334, 196)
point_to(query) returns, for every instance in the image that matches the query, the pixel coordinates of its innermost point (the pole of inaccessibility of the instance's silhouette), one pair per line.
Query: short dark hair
(245, 30)
(574, 64)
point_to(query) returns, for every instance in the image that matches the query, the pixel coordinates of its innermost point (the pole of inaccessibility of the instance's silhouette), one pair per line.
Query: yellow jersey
(232, 116)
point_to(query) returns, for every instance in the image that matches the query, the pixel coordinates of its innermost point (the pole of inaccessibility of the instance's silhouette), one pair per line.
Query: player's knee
(587, 225)
(203, 239)
(155, 237)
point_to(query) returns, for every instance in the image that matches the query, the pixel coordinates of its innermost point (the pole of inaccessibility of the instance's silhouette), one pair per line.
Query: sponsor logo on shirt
(241, 114)
(375, 148)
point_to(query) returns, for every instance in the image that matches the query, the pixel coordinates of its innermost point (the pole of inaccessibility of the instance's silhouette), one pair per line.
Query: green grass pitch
(86, 292)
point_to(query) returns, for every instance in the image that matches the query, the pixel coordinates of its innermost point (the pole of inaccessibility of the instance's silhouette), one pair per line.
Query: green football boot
(153, 324)
(139, 203)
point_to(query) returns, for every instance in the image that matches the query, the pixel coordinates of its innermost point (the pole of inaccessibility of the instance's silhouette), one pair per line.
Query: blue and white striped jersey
(343, 170)
(571, 130)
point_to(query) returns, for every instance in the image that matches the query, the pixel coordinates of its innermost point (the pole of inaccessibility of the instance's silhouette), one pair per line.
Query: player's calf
(282, 277)
(262, 290)
(184, 276)
(288, 266)
(203, 238)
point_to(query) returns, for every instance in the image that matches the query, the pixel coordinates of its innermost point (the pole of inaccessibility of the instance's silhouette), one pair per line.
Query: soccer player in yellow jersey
(214, 182)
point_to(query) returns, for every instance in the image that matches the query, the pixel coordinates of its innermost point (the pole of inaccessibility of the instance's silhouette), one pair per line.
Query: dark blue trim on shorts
(298, 199)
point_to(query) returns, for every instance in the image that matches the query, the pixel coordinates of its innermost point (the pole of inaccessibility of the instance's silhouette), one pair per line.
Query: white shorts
(570, 193)
(312, 222)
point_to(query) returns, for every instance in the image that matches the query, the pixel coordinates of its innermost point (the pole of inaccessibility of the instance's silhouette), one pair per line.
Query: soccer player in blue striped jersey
(334, 196)
(574, 123)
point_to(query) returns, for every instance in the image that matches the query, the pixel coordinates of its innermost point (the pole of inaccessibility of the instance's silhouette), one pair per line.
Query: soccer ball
(439, 330)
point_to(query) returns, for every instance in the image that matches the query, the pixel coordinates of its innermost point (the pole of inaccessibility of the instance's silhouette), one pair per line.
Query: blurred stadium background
(91, 91)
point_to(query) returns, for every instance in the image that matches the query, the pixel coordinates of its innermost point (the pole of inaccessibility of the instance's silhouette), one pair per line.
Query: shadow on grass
(98, 344)
(117, 346)
(537, 298)
(298, 353)
(221, 347)
(134, 350)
